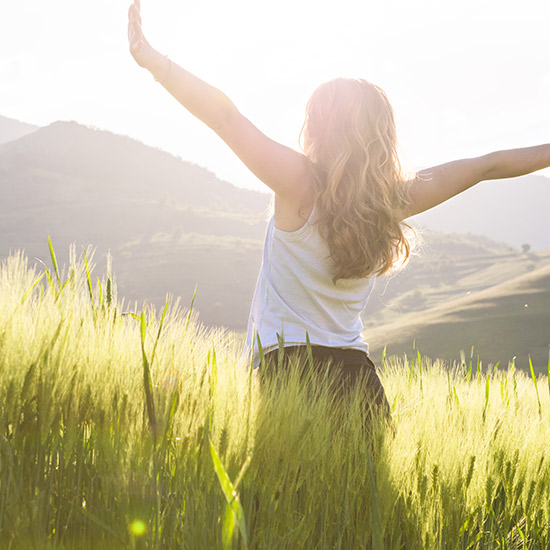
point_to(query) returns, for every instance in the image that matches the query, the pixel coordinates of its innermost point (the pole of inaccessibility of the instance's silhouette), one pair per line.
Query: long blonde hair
(360, 192)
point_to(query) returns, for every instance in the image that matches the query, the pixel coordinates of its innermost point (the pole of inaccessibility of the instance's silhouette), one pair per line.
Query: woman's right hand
(140, 49)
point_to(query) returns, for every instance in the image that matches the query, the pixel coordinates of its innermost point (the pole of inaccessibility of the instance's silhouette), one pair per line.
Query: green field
(142, 429)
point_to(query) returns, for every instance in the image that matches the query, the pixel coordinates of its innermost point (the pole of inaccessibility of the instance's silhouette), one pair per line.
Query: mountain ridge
(123, 160)
(11, 128)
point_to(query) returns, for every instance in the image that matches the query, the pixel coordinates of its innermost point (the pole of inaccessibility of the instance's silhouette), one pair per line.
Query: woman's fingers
(139, 47)
(135, 38)
(135, 33)
(133, 29)
(136, 42)
(133, 13)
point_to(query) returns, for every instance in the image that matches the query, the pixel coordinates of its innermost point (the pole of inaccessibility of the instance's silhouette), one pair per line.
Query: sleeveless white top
(295, 294)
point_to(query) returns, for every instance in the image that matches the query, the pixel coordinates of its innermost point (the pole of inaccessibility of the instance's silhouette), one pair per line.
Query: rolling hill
(508, 320)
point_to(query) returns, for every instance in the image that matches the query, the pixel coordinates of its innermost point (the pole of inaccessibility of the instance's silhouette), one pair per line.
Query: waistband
(346, 356)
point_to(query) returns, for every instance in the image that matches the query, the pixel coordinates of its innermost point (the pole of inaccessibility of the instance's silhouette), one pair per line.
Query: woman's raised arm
(435, 185)
(281, 168)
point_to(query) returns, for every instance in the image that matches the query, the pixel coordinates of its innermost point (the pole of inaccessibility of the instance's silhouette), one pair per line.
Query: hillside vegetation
(507, 322)
(126, 429)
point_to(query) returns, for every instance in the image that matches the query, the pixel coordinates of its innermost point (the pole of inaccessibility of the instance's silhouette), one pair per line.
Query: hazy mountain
(169, 224)
(109, 167)
(513, 210)
(13, 129)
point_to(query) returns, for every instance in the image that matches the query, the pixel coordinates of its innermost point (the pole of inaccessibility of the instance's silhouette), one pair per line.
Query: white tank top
(295, 294)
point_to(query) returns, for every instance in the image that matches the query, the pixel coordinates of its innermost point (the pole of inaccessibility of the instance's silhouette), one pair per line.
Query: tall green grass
(124, 427)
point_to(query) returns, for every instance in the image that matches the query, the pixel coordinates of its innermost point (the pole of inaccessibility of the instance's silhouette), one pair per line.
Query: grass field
(141, 429)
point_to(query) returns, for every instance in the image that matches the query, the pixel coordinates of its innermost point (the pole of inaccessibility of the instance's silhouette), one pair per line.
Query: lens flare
(138, 528)
(171, 382)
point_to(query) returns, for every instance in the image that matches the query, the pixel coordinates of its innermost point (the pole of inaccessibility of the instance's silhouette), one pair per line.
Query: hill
(508, 320)
(512, 210)
(447, 266)
(169, 224)
(11, 129)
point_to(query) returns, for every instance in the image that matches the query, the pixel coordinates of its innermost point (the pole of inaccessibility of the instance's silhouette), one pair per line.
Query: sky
(464, 78)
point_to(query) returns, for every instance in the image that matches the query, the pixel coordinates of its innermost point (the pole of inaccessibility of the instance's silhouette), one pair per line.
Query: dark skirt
(347, 367)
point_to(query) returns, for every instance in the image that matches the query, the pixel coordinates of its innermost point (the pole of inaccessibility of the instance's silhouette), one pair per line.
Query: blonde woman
(339, 209)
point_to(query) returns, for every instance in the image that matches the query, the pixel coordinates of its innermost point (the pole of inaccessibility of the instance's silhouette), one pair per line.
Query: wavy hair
(349, 137)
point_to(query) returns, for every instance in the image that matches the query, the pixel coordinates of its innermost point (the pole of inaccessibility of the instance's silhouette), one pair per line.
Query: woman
(338, 210)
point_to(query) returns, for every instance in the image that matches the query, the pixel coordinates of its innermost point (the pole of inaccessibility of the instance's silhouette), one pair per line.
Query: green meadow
(130, 427)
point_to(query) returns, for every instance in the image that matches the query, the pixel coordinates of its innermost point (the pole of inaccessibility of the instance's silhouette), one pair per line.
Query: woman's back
(296, 294)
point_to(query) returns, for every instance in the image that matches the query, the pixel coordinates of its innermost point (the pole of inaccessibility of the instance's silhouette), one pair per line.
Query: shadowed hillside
(445, 267)
(64, 160)
(509, 320)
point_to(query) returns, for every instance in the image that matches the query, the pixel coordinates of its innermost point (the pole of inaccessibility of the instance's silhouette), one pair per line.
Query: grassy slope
(509, 320)
(450, 266)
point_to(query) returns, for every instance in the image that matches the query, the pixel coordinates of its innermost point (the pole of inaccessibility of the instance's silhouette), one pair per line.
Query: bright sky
(465, 77)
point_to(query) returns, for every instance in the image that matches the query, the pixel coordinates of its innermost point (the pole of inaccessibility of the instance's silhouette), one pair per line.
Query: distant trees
(413, 300)
(177, 234)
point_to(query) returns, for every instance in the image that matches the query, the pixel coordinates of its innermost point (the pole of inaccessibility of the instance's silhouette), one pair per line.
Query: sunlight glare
(138, 528)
